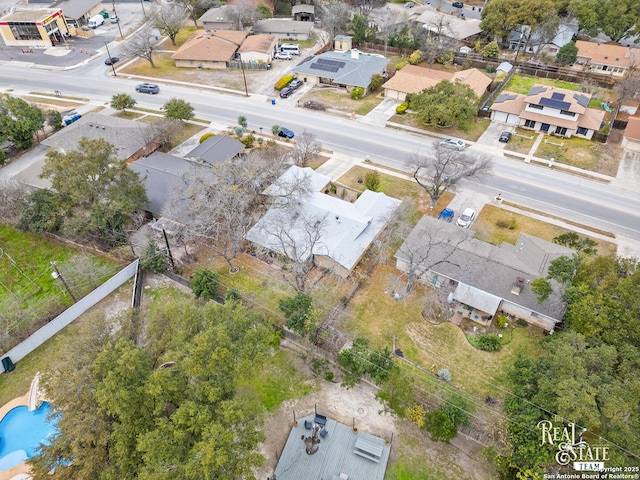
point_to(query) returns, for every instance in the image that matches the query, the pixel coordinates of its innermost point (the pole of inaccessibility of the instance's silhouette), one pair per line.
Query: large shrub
(206, 135)
(402, 64)
(491, 50)
(416, 57)
(283, 82)
(489, 342)
(402, 108)
(357, 93)
(204, 284)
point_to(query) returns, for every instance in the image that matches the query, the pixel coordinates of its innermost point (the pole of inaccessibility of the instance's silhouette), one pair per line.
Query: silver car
(466, 218)
(453, 143)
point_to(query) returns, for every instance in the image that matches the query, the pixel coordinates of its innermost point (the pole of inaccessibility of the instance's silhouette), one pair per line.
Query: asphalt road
(567, 196)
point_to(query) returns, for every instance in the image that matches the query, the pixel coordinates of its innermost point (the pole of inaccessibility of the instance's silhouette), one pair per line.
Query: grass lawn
(128, 115)
(577, 152)
(51, 101)
(522, 84)
(376, 315)
(339, 99)
(488, 230)
(471, 133)
(404, 189)
(522, 141)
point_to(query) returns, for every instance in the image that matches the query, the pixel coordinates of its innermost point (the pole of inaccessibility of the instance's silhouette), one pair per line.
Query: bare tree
(627, 87)
(544, 33)
(243, 14)
(427, 247)
(165, 131)
(305, 149)
(365, 7)
(388, 23)
(168, 19)
(221, 204)
(335, 19)
(397, 230)
(197, 8)
(437, 173)
(439, 39)
(142, 44)
(13, 196)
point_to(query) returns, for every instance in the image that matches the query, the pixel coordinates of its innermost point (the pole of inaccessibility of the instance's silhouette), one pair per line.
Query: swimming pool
(21, 432)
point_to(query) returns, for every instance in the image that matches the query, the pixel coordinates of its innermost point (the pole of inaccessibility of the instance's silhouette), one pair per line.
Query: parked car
(295, 84)
(409, 5)
(286, 92)
(505, 137)
(466, 218)
(114, 18)
(148, 88)
(446, 215)
(285, 133)
(111, 60)
(457, 4)
(283, 56)
(453, 143)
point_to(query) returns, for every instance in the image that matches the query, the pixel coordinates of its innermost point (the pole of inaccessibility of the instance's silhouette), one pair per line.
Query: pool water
(21, 432)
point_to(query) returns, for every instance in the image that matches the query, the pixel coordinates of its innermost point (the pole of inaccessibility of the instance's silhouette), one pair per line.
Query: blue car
(446, 215)
(285, 132)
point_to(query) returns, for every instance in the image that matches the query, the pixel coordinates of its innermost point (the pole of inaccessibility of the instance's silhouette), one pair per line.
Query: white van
(292, 48)
(96, 21)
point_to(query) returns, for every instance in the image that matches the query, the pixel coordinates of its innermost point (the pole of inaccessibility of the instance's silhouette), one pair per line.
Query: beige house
(551, 110)
(258, 49)
(414, 79)
(606, 58)
(209, 49)
(631, 136)
(34, 28)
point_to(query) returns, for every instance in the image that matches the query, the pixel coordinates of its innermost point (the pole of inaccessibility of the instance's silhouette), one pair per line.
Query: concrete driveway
(628, 176)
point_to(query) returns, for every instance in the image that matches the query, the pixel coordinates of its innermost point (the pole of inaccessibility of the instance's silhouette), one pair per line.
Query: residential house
(344, 232)
(284, 29)
(519, 39)
(483, 278)
(607, 58)
(78, 12)
(258, 48)
(131, 139)
(631, 136)
(218, 18)
(450, 26)
(303, 13)
(550, 110)
(209, 49)
(342, 69)
(414, 79)
(216, 149)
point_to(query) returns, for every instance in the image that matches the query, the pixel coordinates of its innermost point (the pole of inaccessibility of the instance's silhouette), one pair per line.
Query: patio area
(462, 311)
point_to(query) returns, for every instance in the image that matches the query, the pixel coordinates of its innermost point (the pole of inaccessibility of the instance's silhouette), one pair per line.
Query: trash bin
(8, 365)
(273, 101)
(268, 66)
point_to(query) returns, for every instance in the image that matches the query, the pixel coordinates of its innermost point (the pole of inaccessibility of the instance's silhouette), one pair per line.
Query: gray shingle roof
(349, 71)
(489, 268)
(275, 25)
(126, 135)
(76, 8)
(334, 456)
(215, 150)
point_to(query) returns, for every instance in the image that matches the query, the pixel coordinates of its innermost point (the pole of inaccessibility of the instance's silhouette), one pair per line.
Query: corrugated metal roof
(335, 455)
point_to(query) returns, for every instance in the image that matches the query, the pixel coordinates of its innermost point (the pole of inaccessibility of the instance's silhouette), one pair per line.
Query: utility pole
(246, 91)
(166, 241)
(110, 57)
(113, 3)
(56, 274)
(143, 11)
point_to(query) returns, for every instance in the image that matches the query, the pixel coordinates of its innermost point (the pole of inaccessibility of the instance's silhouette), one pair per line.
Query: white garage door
(513, 119)
(506, 118)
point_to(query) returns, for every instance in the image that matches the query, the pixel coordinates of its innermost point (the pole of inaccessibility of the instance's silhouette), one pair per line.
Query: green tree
(264, 10)
(562, 269)
(446, 104)
(542, 288)
(491, 50)
(178, 109)
(54, 119)
(354, 362)
(586, 12)
(297, 311)
(153, 258)
(360, 29)
(42, 212)
(567, 54)
(440, 426)
(501, 17)
(122, 101)
(584, 245)
(19, 121)
(372, 180)
(204, 284)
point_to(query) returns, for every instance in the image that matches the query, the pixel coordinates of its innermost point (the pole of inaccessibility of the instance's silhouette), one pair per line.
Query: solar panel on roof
(557, 96)
(333, 63)
(550, 102)
(324, 68)
(582, 99)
